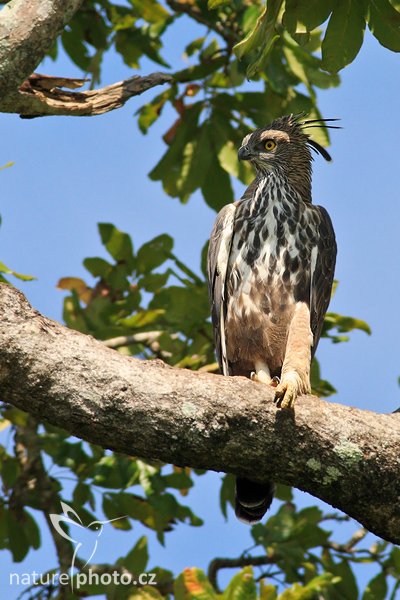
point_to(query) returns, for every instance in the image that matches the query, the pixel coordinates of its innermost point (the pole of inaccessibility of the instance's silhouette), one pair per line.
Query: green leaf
(195, 46)
(284, 493)
(75, 48)
(179, 481)
(296, 65)
(278, 528)
(9, 470)
(6, 166)
(196, 169)
(347, 587)
(82, 494)
(154, 282)
(150, 112)
(136, 560)
(114, 511)
(185, 269)
(321, 583)
(203, 262)
(133, 43)
(296, 592)
(228, 158)
(114, 472)
(153, 253)
(305, 15)
(137, 508)
(343, 324)
(384, 22)
(200, 71)
(150, 10)
(376, 589)
(216, 188)
(212, 4)
(261, 38)
(142, 318)
(268, 591)
(169, 168)
(3, 527)
(147, 592)
(320, 387)
(118, 244)
(4, 269)
(344, 34)
(185, 308)
(242, 586)
(148, 477)
(168, 508)
(98, 267)
(256, 37)
(306, 533)
(395, 557)
(227, 493)
(17, 536)
(73, 314)
(31, 530)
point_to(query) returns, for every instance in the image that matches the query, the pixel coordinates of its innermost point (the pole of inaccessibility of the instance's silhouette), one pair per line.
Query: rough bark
(28, 29)
(41, 95)
(345, 456)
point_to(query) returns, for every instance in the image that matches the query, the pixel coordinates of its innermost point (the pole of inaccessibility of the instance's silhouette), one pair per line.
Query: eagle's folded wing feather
(217, 266)
(322, 276)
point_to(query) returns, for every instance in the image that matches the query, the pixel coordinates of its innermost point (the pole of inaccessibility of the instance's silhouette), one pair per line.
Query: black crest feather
(320, 150)
(323, 123)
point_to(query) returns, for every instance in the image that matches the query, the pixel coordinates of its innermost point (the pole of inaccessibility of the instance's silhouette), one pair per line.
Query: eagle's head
(284, 147)
(283, 144)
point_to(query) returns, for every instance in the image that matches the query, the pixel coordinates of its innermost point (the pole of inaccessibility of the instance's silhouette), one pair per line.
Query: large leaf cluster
(149, 298)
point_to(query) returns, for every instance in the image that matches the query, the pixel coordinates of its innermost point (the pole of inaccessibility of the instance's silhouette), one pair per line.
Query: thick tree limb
(28, 29)
(345, 456)
(41, 95)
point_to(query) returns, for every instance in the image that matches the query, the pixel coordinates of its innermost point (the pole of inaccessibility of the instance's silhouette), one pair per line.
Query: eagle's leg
(262, 374)
(295, 376)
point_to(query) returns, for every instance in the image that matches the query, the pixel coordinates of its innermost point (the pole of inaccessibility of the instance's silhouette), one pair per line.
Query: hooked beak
(244, 153)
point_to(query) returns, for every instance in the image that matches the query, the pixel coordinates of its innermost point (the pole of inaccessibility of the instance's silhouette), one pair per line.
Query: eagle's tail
(252, 499)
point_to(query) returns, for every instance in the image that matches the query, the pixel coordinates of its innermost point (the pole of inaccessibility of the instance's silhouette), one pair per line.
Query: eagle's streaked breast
(268, 272)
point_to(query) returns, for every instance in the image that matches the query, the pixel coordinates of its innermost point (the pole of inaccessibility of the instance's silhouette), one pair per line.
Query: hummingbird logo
(70, 517)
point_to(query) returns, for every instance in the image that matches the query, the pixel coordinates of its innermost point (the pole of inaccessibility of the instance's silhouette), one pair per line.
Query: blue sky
(71, 173)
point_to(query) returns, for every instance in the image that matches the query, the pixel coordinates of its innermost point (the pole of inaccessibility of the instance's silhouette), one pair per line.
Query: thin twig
(348, 547)
(144, 337)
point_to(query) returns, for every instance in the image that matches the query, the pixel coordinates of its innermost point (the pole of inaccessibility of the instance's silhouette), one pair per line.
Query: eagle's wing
(217, 266)
(322, 274)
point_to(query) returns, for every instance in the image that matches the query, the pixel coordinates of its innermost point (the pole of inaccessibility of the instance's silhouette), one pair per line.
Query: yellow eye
(270, 145)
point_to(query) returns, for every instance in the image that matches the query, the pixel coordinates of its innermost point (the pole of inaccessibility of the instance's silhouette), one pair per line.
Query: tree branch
(33, 477)
(28, 29)
(41, 95)
(233, 563)
(345, 456)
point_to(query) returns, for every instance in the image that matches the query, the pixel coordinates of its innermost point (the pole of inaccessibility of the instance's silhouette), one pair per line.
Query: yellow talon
(285, 395)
